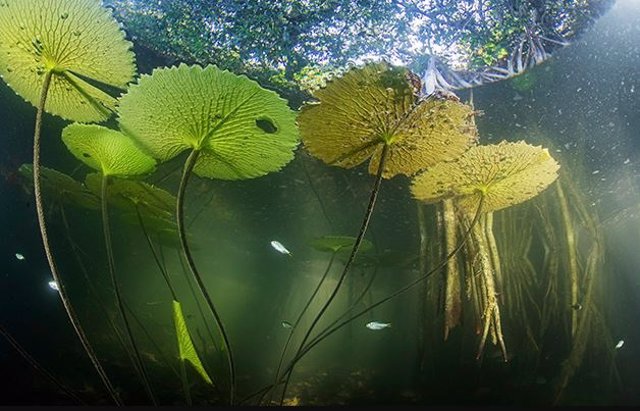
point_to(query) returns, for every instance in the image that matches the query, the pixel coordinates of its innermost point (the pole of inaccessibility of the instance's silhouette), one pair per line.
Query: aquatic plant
(232, 128)
(113, 155)
(54, 53)
(501, 175)
(373, 113)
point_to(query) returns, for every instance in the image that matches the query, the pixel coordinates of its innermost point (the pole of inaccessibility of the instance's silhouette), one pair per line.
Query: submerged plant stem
(116, 289)
(32, 361)
(186, 251)
(335, 326)
(37, 189)
(304, 310)
(352, 256)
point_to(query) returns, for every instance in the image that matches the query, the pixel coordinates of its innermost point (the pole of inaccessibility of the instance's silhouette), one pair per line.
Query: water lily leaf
(131, 194)
(375, 105)
(240, 129)
(336, 243)
(108, 151)
(505, 174)
(62, 187)
(185, 344)
(76, 40)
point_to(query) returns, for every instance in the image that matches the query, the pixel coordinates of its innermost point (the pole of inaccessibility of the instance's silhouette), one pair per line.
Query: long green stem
(94, 293)
(116, 289)
(186, 251)
(354, 251)
(304, 310)
(161, 267)
(32, 361)
(37, 189)
(333, 328)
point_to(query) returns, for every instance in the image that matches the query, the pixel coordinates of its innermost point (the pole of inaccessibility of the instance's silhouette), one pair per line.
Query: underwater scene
(320, 202)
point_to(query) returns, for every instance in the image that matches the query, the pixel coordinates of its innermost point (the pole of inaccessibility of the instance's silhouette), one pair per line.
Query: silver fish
(375, 325)
(19, 256)
(279, 247)
(54, 285)
(619, 344)
(286, 324)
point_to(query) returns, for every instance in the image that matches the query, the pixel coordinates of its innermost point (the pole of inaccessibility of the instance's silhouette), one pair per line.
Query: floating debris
(54, 285)
(19, 256)
(577, 306)
(375, 325)
(286, 324)
(279, 247)
(619, 344)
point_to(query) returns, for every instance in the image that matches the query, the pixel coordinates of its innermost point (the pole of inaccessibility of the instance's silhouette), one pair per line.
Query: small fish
(375, 325)
(54, 285)
(577, 306)
(19, 256)
(619, 344)
(286, 324)
(279, 247)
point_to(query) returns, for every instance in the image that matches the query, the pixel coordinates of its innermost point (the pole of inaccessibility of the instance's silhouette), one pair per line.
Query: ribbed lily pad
(108, 151)
(152, 201)
(373, 106)
(185, 345)
(335, 243)
(64, 37)
(62, 187)
(240, 129)
(505, 173)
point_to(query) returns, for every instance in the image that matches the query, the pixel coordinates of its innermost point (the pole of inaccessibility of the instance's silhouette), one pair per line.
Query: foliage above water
(275, 40)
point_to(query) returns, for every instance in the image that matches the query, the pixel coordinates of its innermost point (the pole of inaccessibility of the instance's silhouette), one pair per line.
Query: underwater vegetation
(69, 58)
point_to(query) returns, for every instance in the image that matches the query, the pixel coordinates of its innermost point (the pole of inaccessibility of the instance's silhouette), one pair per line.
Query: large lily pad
(240, 129)
(76, 40)
(505, 174)
(105, 150)
(373, 106)
(126, 194)
(62, 187)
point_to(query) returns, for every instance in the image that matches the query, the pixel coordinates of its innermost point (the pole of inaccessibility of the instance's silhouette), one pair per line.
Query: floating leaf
(373, 106)
(240, 129)
(62, 187)
(185, 344)
(76, 40)
(506, 174)
(108, 151)
(131, 194)
(335, 243)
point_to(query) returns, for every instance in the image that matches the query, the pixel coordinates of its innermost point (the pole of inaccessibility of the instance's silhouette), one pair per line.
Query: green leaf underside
(62, 187)
(241, 130)
(374, 105)
(186, 349)
(105, 150)
(131, 194)
(64, 36)
(335, 243)
(506, 174)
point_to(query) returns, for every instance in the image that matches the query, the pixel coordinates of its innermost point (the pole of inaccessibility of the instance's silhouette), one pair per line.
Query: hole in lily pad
(266, 125)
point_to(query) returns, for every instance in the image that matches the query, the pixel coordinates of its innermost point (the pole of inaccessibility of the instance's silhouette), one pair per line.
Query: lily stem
(347, 266)
(37, 189)
(186, 173)
(116, 289)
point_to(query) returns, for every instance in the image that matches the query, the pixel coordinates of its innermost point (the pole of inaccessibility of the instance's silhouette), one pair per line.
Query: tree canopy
(450, 43)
